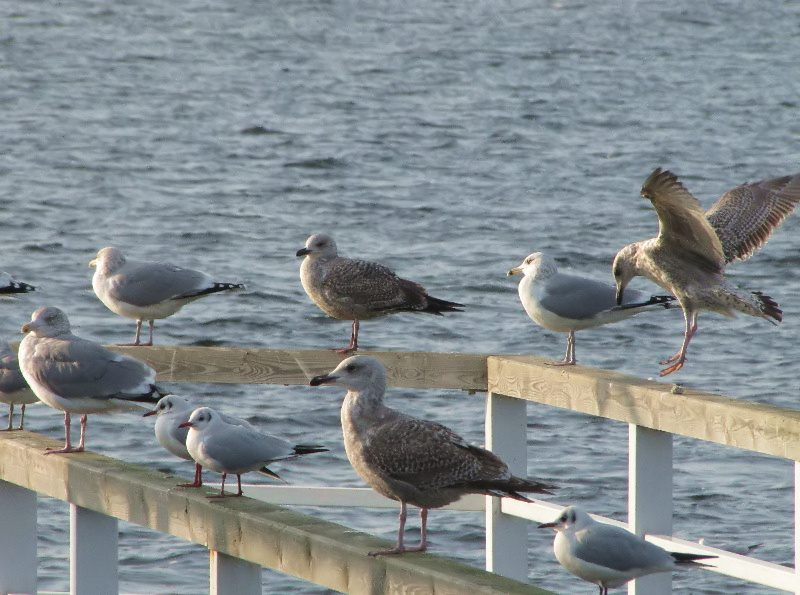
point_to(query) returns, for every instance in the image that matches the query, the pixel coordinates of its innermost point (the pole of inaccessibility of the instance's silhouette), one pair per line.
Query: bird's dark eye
(350, 367)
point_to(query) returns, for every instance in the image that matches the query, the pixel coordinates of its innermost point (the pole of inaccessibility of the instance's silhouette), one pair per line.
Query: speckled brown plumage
(689, 255)
(408, 459)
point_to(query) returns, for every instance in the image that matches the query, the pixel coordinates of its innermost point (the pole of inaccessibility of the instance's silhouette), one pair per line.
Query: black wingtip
(17, 287)
(684, 558)
(307, 449)
(438, 306)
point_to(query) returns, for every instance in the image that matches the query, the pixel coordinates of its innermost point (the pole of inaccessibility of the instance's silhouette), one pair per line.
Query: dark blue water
(445, 140)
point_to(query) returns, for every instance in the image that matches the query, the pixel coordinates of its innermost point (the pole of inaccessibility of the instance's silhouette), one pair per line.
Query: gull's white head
(357, 373)
(571, 519)
(318, 246)
(170, 405)
(201, 418)
(537, 264)
(48, 321)
(625, 268)
(108, 260)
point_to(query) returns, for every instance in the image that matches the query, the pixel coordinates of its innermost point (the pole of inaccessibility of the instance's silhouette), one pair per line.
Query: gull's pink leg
(152, 326)
(198, 478)
(67, 444)
(679, 358)
(399, 548)
(11, 417)
(239, 484)
(353, 340)
(221, 489)
(569, 356)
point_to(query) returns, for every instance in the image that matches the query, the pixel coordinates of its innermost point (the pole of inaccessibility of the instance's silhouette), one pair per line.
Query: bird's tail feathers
(769, 307)
(307, 449)
(437, 306)
(270, 473)
(511, 488)
(684, 558)
(152, 396)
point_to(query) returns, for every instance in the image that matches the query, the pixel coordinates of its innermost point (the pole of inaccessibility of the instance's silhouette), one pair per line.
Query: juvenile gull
(171, 412)
(76, 375)
(606, 555)
(227, 448)
(9, 286)
(411, 460)
(568, 303)
(145, 290)
(689, 255)
(350, 289)
(13, 388)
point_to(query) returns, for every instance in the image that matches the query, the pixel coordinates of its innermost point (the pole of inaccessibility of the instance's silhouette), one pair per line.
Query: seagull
(411, 460)
(226, 448)
(606, 555)
(145, 290)
(568, 303)
(76, 375)
(9, 286)
(171, 411)
(689, 255)
(349, 289)
(13, 388)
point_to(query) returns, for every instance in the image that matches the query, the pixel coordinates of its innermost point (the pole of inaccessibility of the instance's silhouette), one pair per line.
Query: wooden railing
(244, 535)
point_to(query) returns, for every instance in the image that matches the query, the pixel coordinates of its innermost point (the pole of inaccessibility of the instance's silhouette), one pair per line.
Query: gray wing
(745, 217)
(618, 549)
(147, 283)
(11, 378)
(427, 454)
(578, 298)
(80, 368)
(370, 285)
(684, 229)
(242, 447)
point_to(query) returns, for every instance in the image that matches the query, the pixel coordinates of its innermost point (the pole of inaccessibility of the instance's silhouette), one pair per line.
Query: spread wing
(745, 217)
(683, 226)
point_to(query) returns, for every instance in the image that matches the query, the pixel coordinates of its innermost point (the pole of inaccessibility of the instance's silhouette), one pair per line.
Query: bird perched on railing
(350, 289)
(568, 303)
(145, 290)
(606, 555)
(689, 255)
(228, 448)
(172, 411)
(13, 388)
(411, 460)
(75, 375)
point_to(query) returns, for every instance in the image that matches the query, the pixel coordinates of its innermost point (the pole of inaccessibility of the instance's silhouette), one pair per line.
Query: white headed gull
(172, 411)
(349, 289)
(606, 555)
(144, 290)
(568, 303)
(227, 448)
(76, 375)
(412, 460)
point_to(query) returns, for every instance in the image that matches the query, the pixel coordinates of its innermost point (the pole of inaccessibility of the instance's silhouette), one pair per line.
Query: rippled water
(447, 140)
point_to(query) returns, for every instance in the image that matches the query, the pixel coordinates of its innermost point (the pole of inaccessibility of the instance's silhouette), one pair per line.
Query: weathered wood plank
(312, 549)
(687, 412)
(297, 366)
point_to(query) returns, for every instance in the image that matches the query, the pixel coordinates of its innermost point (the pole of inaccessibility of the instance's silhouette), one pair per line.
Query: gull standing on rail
(349, 289)
(13, 388)
(606, 555)
(411, 460)
(568, 303)
(8, 286)
(689, 255)
(172, 411)
(227, 448)
(145, 290)
(76, 375)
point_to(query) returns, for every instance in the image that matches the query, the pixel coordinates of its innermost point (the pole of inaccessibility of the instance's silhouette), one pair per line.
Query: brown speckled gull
(411, 460)
(689, 255)
(350, 289)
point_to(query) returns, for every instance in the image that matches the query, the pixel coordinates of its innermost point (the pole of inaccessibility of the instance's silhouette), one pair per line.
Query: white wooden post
(797, 528)
(93, 557)
(507, 536)
(17, 539)
(650, 496)
(233, 576)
